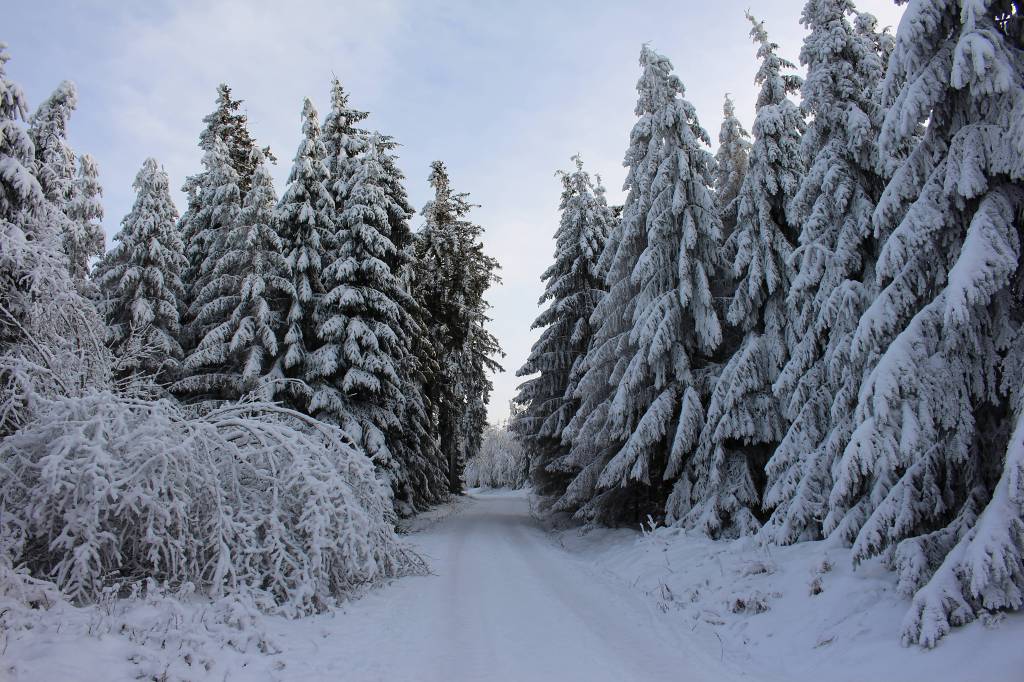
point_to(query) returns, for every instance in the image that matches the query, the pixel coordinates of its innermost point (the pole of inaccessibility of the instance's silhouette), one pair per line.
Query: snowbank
(798, 612)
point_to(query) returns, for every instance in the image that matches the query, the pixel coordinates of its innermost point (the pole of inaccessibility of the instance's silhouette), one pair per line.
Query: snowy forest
(816, 332)
(805, 339)
(242, 397)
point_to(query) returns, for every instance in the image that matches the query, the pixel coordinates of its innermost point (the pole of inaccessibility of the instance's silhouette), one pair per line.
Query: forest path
(504, 603)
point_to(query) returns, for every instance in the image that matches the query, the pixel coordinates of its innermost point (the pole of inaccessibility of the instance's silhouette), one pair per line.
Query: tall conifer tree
(244, 303)
(574, 285)
(744, 422)
(658, 322)
(140, 280)
(306, 223)
(934, 466)
(85, 240)
(452, 275)
(731, 161)
(835, 265)
(361, 322)
(22, 210)
(228, 124)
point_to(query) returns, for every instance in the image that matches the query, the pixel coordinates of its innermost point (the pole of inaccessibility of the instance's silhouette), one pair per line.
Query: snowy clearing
(509, 600)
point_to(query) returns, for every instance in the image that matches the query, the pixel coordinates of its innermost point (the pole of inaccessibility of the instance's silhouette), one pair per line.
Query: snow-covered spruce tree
(140, 280)
(744, 424)
(211, 218)
(933, 474)
(55, 162)
(306, 224)
(51, 339)
(232, 127)
(22, 209)
(658, 324)
(452, 275)
(835, 264)
(731, 162)
(416, 446)
(244, 304)
(85, 211)
(360, 323)
(343, 140)
(574, 285)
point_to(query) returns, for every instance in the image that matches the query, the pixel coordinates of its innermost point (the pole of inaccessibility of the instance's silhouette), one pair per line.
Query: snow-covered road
(505, 603)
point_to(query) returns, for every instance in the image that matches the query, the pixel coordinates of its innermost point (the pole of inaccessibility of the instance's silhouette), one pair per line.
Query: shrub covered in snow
(501, 462)
(101, 490)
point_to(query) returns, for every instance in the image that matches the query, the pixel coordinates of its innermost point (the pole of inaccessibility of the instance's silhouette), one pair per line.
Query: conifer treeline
(819, 332)
(325, 300)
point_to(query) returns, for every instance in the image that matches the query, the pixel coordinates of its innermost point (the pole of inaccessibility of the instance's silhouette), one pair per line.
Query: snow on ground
(795, 613)
(509, 600)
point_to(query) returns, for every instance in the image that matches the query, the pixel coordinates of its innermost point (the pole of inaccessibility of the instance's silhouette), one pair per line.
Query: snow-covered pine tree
(342, 139)
(731, 162)
(658, 324)
(55, 162)
(744, 421)
(835, 264)
(306, 224)
(452, 275)
(140, 280)
(212, 215)
(22, 210)
(933, 474)
(574, 285)
(244, 304)
(416, 446)
(231, 126)
(86, 240)
(361, 323)
(51, 339)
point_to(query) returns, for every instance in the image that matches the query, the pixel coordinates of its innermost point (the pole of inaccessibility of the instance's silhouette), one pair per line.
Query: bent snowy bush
(501, 462)
(102, 490)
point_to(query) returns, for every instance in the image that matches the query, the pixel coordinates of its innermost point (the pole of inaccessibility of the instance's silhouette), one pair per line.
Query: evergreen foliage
(244, 303)
(731, 161)
(229, 125)
(658, 324)
(207, 224)
(835, 265)
(574, 285)
(140, 280)
(22, 209)
(452, 274)
(86, 239)
(931, 474)
(743, 422)
(306, 225)
(361, 322)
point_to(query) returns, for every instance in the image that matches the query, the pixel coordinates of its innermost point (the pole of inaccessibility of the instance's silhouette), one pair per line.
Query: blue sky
(503, 92)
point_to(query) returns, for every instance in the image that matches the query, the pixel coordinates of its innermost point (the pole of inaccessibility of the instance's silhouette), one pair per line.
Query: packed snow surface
(509, 599)
(505, 603)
